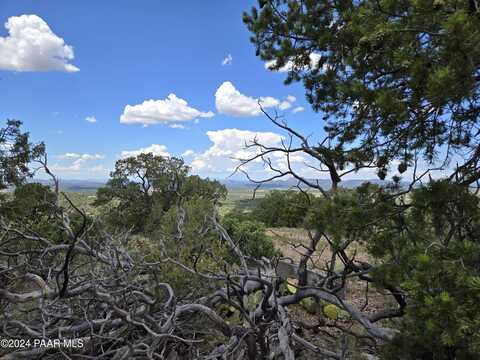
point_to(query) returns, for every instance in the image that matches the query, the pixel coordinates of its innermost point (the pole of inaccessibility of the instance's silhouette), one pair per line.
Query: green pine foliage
(432, 250)
(425, 243)
(392, 79)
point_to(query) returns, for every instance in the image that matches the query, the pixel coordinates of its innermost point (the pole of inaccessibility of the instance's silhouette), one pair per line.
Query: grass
(240, 198)
(83, 200)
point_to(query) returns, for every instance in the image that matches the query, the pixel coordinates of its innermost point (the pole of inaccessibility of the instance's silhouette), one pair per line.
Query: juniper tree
(144, 187)
(16, 152)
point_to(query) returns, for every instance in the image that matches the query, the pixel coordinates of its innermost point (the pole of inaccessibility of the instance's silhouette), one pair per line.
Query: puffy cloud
(91, 119)
(156, 149)
(98, 170)
(171, 110)
(298, 109)
(284, 105)
(229, 146)
(78, 163)
(69, 156)
(84, 157)
(291, 98)
(287, 103)
(290, 65)
(32, 46)
(230, 101)
(188, 152)
(61, 169)
(228, 60)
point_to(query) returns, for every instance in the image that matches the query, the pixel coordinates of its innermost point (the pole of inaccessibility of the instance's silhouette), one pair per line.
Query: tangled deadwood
(82, 284)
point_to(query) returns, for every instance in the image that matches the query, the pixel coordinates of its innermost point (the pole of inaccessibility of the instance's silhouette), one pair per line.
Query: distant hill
(291, 183)
(75, 185)
(93, 185)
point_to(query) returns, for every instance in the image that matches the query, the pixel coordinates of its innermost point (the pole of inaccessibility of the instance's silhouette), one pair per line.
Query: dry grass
(291, 240)
(364, 297)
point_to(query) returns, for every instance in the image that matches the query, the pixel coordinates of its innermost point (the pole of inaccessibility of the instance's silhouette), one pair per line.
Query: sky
(98, 81)
(101, 80)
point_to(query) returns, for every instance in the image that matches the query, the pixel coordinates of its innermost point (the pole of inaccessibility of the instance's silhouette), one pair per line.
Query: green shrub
(432, 250)
(282, 208)
(250, 236)
(186, 234)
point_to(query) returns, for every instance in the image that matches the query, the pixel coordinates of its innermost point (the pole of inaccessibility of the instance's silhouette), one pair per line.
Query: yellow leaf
(291, 286)
(331, 311)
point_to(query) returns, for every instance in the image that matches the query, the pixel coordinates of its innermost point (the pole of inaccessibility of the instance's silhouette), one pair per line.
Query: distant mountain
(291, 183)
(74, 185)
(93, 185)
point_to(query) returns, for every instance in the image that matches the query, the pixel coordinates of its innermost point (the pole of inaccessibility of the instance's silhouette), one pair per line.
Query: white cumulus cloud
(98, 170)
(228, 60)
(74, 162)
(91, 119)
(284, 105)
(230, 101)
(156, 149)
(298, 109)
(84, 157)
(171, 110)
(32, 46)
(287, 103)
(229, 146)
(188, 152)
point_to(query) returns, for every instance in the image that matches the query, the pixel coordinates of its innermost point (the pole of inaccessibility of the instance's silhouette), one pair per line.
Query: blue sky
(129, 52)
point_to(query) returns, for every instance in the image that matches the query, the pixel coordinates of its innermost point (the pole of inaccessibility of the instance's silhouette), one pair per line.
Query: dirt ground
(366, 298)
(362, 296)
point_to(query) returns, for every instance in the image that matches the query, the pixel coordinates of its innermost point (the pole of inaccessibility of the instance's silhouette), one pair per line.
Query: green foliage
(33, 206)
(425, 243)
(282, 208)
(15, 154)
(344, 216)
(189, 232)
(31, 202)
(143, 188)
(331, 311)
(392, 78)
(432, 250)
(250, 236)
(171, 214)
(33, 209)
(136, 184)
(188, 236)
